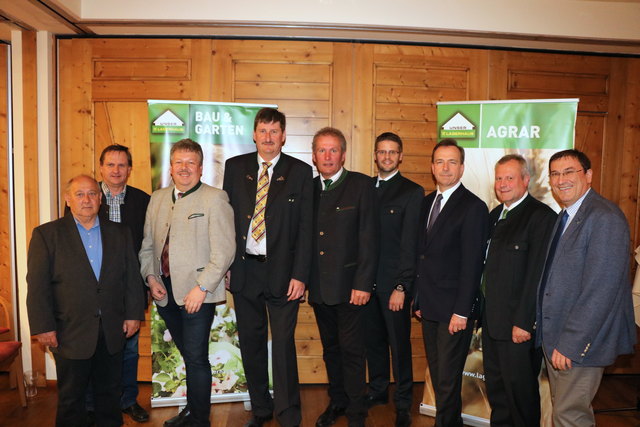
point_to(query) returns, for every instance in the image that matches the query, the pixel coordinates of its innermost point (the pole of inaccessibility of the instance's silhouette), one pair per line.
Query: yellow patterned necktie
(258, 229)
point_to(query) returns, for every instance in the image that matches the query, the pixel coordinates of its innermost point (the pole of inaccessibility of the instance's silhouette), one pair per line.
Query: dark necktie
(435, 211)
(327, 183)
(164, 256)
(552, 249)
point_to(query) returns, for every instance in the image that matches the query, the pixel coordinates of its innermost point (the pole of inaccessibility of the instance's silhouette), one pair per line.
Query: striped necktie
(258, 228)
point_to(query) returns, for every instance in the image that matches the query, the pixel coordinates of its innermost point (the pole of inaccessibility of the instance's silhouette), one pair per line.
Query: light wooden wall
(363, 89)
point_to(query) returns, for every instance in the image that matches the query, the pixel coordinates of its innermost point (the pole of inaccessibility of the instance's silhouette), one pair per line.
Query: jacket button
(321, 252)
(391, 211)
(517, 247)
(244, 237)
(248, 216)
(322, 233)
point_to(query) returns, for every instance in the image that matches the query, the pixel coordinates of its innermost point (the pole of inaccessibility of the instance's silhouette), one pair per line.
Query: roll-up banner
(223, 130)
(488, 130)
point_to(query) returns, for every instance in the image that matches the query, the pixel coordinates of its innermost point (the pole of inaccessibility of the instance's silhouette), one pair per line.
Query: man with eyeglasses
(584, 312)
(454, 227)
(387, 315)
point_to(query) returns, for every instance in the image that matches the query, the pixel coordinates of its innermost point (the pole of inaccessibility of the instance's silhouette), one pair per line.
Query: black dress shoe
(137, 413)
(178, 419)
(403, 418)
(373, 400)
(329, 416)
(257, 421)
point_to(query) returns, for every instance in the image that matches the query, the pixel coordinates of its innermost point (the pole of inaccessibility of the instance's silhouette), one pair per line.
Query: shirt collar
(333, 179)
(186, 193)
(513, 205)
(448, 192)
(80, 226)
(387, 178)
(573, 209)
(107, 192)
(272, 161)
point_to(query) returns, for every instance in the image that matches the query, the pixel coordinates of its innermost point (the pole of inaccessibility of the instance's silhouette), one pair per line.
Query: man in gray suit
(584, 311)
(188, 246)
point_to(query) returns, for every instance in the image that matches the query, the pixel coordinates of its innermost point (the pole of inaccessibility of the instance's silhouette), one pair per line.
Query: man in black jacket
(342, 273)
(127, 205)
(520, 229)
(454, 225)
(271, 196)
(388, 314)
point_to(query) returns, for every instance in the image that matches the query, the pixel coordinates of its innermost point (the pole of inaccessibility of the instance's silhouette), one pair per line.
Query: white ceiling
(580, 25)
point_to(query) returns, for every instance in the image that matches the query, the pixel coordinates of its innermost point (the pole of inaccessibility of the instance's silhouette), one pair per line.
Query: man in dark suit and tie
(271, 196)
(520, 229)
(450, 256)
(342, 273)
(388, 315)
(585, 310)
(84, 300)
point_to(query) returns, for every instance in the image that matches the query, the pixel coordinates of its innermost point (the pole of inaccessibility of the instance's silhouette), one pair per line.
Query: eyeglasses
(565, 174)
(391, 153)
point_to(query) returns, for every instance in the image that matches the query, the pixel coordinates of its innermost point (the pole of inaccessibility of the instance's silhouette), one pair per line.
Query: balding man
(83, 301)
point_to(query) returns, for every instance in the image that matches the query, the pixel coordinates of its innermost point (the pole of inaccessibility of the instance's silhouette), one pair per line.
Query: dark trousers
(103, 372)
(252, 306)
(511, 376)
(446, 355)
(129, 375)
(342, 336)
(386, 330)
(190, 332)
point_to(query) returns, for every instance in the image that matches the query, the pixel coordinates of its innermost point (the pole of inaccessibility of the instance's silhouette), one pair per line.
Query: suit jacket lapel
(446, 211)
(576, 222)
(251, 176)
(77, 248)
(278, 179)
(106, 235)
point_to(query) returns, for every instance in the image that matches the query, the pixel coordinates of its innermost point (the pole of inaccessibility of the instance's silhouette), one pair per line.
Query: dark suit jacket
(399, 202)
(513, 267)
(586, 310)
(64, 295)
(287, 216)
(344, 239)
(451, 255)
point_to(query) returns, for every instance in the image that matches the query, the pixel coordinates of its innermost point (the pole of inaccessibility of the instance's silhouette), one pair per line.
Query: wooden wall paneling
(616, 146)
(497, 83)
(630, 166)
(76, 152)
(364, 135)
(6, 269)
(342, 106)
(125, 123)
(221, 71)
(272, 73)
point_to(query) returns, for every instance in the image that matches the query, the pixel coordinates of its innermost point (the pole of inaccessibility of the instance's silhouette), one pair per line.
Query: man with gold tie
(271, 195)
